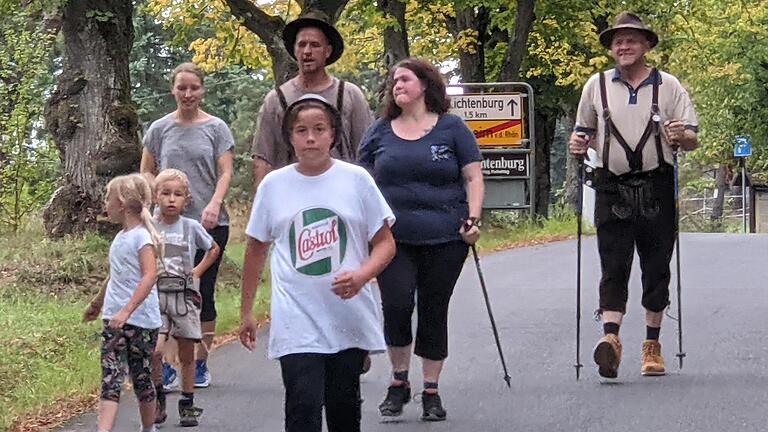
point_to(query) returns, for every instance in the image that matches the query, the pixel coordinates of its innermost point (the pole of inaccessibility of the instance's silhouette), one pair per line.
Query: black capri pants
(635, 212)
(220, 235)
(428, 273)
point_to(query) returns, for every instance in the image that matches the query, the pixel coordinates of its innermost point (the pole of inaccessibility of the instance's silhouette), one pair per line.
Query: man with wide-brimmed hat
(314, 44)
(634, 117)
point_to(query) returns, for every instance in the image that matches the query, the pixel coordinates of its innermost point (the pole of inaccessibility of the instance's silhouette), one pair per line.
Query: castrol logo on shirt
(318, 241)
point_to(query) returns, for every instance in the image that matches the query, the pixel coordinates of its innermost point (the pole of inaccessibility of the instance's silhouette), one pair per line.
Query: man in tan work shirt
(314, 44)
(634, 117)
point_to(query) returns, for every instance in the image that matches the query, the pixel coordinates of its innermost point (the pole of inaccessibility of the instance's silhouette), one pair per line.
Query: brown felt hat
(317, 20)
(628, 20)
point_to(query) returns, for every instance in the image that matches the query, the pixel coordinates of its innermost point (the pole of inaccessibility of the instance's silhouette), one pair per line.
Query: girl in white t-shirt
(323, 217)
(129, 303)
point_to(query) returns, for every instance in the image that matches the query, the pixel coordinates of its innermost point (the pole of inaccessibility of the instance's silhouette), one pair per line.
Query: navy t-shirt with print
(421, 179)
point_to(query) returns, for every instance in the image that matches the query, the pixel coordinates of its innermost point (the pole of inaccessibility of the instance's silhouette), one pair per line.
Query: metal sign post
(501, 117)
(742, 150)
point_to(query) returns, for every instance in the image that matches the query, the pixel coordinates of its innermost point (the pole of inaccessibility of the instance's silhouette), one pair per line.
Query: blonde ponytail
(157, 238)
(135, 192)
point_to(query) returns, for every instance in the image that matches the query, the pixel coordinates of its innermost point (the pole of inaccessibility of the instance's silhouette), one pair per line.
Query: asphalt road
(722, 387)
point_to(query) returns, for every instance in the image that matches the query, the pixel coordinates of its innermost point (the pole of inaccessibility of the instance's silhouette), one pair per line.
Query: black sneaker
(397, 396)
(433, 407)
(188, 415)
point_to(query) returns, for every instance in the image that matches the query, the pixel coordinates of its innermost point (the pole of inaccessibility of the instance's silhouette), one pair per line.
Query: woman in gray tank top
(200, 145)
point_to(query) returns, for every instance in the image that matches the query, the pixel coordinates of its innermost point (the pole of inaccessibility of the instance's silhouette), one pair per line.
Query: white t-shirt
(321, 226)
(124, 278)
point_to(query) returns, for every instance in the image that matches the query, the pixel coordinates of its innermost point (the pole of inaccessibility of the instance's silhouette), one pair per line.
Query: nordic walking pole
(507, 378)
(680, 354)
(579, 210)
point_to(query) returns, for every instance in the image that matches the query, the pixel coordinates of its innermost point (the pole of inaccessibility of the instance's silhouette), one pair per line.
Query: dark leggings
(129, 346)
(315, 380)
(429, 273)
(220, 235)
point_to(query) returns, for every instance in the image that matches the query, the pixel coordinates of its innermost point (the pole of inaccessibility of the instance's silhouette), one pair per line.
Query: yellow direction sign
(495, 118)
(497, 133)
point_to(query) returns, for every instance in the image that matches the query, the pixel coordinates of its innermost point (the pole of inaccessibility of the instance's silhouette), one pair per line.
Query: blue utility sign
(743, 147)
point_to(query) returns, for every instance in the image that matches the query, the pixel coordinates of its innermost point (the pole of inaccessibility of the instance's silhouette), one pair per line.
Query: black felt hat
(317, 20)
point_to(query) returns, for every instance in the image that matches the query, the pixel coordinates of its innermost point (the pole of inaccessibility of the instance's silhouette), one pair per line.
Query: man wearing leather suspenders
(315, 44)
(634, 117)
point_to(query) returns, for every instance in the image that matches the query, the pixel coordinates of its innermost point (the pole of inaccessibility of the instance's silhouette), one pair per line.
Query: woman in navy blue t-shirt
(426, 163)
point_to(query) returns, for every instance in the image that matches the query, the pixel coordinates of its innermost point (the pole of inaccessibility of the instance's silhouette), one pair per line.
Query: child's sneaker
(202, 375)
(188, 414)
(170, 378)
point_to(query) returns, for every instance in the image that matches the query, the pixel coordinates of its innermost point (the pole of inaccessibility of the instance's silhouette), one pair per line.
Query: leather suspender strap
(340, 97)
(634, 157)
(607, 121)
(656, 117)
(281, 96)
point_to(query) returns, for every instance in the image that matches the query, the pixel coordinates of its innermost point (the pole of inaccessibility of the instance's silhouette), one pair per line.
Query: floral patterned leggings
(128, 348)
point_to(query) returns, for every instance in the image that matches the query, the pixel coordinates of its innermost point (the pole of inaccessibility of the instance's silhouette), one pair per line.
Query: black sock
(430, 386)
(187, 399)
(611, 327)
(401, 376)
(652, 333)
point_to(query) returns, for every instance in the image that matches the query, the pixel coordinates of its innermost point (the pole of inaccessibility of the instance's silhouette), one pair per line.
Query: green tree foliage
(234, 93)
(28, 160)
(720, 51)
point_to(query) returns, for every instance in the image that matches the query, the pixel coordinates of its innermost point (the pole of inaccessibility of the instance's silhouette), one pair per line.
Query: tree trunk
(518, 46)
(269, 29)
(90, 115)
(396, 45)
(720, 185)
(471, 61)
(545, 130)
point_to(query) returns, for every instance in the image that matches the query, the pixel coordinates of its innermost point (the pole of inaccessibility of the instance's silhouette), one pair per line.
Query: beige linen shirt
(356, 116)
(630, 110)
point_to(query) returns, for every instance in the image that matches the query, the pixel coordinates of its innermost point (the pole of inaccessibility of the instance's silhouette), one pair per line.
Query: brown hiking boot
(608, 356)
(653, 362)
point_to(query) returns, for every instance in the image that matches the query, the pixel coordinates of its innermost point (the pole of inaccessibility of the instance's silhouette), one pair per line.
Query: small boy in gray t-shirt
(177, 286)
